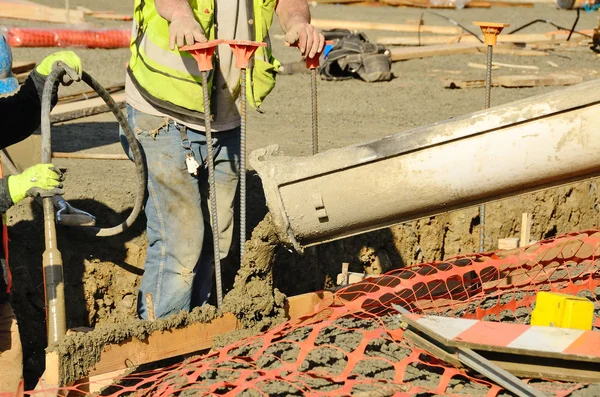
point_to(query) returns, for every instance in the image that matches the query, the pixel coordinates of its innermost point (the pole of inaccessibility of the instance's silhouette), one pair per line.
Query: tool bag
(353, 55)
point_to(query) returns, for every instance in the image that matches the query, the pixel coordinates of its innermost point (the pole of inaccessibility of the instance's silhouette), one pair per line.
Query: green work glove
(69, 58)
(39, 180)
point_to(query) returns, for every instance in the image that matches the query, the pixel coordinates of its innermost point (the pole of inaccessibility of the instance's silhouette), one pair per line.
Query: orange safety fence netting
(95, 38)
(353, 344)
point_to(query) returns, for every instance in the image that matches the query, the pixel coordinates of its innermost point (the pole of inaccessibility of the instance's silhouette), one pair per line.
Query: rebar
(488, 76)
(243, 165)
(212, 194)
(488, 94)
(315, 116)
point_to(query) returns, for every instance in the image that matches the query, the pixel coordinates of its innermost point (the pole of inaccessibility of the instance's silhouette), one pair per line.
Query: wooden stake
(345, 267)
(525, 229)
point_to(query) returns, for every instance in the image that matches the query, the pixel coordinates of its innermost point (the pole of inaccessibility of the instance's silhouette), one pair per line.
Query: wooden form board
(406, 53)
(22, 67)
(417, 52)
(390, 27)
(507, 38)
(528, 340)
(90, 107)
(518, 81)
(40, 13)
(177, 342)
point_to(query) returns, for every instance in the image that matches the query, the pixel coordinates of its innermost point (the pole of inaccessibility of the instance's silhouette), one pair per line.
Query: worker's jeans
(11, 353)
(179, 267)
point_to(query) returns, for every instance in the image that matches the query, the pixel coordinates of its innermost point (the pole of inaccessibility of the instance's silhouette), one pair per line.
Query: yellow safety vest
(170, 80)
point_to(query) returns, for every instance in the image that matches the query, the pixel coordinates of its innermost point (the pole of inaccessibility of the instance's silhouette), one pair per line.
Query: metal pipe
(212, 189)
(52, 265)
(527, 145)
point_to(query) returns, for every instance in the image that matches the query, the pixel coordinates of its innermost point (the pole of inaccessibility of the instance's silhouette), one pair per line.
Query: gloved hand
(310, 40)
(69, 58)
(185, 30)
(39, 180)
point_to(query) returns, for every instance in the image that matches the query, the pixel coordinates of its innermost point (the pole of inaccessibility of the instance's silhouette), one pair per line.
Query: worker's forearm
(292, 12)
(170, 9)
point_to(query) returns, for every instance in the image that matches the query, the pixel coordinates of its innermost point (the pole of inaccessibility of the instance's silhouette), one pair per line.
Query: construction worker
(20, 111)
(165, 109)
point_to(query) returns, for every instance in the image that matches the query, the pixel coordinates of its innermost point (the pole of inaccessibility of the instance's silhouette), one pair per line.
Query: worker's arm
(183, 27)
(294, 18)
(20, 113)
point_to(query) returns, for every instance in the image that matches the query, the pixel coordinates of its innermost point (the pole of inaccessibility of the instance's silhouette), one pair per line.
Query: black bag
(354, 56)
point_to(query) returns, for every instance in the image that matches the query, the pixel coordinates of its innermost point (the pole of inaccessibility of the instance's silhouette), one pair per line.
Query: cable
(134, 145)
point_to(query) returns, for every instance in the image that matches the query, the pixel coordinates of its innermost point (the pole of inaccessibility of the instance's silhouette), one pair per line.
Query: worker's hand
(185, 30)
(309, 40)
(69, 58)
(39, 180)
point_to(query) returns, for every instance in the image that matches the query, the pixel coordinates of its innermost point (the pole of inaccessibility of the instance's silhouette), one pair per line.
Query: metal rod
(52, 265)
(211, 190)
(488, 94)
(488, 76)
(243, 103)
(315, 116)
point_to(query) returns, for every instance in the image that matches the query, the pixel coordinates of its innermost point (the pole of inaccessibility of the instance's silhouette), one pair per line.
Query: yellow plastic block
(562, 311)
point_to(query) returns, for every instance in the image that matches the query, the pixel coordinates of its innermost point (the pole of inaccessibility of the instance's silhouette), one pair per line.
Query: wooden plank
(23, 67)
(40, 13)
(305, 304)
(75, 110)
(518, 81)
(525, 229)
(177, 342)
(406, 53)
(112, 16)
(162, 345)
(516, 52)
(90, 156)
(538, 80)
(390, 27)
(508, 243)
(507, 38)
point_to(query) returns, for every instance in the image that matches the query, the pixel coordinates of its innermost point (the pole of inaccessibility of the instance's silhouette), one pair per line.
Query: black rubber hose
(141, 172)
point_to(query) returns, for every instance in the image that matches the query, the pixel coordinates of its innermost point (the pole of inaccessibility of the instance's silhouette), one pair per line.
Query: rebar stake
(313, 65)
(490, 30)
(243, 51)
(202, 53)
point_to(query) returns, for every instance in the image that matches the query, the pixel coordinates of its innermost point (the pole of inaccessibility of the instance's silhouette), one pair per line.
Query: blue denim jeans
(179, 266)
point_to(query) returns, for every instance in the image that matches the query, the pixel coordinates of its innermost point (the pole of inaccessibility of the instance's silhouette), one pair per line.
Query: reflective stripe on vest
(171, 79)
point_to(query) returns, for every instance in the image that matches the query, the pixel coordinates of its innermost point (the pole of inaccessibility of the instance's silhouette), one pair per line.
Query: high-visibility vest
(170, 80)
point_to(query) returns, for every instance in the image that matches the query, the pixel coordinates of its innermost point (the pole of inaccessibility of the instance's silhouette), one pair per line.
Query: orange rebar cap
(243, 51)
(491, 30)
(202, 53)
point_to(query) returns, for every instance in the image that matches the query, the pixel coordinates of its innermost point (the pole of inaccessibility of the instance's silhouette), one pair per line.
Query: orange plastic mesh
(95, 38)
(353, 343)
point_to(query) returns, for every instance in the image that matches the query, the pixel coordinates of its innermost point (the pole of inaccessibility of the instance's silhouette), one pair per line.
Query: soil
(102, 274)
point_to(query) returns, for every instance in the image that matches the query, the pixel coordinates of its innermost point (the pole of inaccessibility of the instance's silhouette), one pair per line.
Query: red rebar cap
(202, 53)
(313, 63)
(243, 51)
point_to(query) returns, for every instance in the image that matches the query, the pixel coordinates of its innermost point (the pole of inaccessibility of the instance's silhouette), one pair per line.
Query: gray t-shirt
(231, 23)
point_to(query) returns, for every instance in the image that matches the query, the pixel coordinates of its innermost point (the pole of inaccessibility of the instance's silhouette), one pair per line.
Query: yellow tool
(562, 311)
